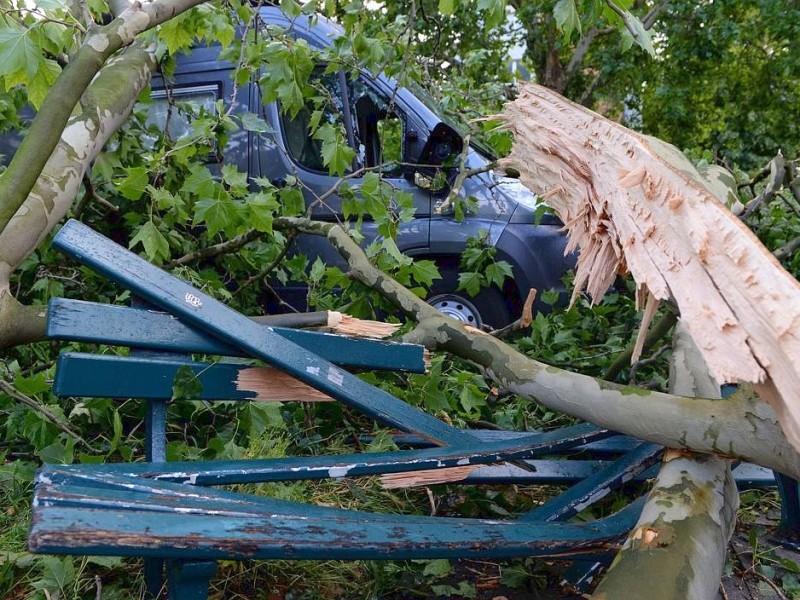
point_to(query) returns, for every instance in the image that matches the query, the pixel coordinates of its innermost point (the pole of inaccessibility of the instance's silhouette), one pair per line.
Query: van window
(187, 103)
(377, 129)
(297, 129)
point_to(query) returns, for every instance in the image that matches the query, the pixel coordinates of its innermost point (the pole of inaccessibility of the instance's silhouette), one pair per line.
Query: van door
(376, 129)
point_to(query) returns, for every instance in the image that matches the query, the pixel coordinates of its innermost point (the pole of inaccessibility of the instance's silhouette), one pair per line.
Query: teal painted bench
(168, 513)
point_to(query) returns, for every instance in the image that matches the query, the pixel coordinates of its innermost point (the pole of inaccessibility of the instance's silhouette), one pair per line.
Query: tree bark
(20, 324)
(677, 549)
(629, 204)
(51, 120)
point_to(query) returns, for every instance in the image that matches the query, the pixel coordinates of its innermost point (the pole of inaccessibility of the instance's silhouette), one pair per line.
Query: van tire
(487, 308)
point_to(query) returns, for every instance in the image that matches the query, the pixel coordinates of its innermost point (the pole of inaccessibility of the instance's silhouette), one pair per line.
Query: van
(404, 131)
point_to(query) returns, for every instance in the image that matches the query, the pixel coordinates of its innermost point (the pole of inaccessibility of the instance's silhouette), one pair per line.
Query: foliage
(173, 199)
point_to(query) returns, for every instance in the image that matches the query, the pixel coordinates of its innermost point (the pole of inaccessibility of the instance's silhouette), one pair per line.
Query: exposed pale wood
(272, 385)
(430, 477)
(631, 204)
(344, 324)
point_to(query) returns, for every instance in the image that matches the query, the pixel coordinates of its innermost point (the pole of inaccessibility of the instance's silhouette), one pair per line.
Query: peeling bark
(630, 205)
(677, 549)
(20, 324)
(51, 120)
(741, 426)
(107, 105)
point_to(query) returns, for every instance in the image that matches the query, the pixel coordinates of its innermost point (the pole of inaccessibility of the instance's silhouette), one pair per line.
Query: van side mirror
(440, 152)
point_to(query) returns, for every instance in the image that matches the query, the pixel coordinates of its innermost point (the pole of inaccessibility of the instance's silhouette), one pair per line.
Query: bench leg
(189, 580)
(790, 505)
(153, 578)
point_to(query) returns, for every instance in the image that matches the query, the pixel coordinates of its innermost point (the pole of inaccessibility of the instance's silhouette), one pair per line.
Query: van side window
(177, 109)
(297, 129)
(377, 129)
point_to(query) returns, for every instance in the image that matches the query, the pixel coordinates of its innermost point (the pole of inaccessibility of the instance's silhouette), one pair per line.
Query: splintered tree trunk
(631, 203)
(677, 549)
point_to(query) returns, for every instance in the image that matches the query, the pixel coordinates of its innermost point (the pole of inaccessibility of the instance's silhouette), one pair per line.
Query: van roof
(319, 31)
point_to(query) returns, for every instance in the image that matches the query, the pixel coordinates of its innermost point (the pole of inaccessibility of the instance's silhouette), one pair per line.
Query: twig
(523, 322)
(646, 361)
(658, 331)
(777, 173)
(794, 180)
(268, 269)
(787, 249)
(90, 193)
(463, 175)
(98, 584)
(215, 250)
(17, 395)
(626, 19)
(650, 18)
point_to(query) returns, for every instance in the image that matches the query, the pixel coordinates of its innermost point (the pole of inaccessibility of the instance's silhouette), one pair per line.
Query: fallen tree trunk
(677, 548)
(631, 203)
(742, 426)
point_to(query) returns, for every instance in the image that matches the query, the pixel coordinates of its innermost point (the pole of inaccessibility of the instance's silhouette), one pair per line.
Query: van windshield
(430, 102)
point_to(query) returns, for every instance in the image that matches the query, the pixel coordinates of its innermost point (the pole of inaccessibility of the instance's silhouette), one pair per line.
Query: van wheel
(487, 308)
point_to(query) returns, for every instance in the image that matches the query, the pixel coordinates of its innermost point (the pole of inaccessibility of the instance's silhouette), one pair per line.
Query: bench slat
(347, 465)
(77, 320)
(318, 534)
(111, 376)
(204, 312)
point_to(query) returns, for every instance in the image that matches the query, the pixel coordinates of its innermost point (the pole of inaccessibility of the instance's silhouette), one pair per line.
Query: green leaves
(287, 69)
(479, 268)
(18, 52)
(336, 154)
(156, 247)
(132, 186)
(493, 11)
(22, 57)
(566, 15)
(447, 7)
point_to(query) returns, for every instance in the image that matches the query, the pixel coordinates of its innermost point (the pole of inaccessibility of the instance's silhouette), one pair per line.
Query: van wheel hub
(457, 308)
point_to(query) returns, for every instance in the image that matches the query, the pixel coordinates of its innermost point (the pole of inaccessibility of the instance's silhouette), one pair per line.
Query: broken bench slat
(561, 472)
(603, 442)
(347, 465)
(153, 378)
(597, 486)
(200, 310)
(82, 321)
(143, 527)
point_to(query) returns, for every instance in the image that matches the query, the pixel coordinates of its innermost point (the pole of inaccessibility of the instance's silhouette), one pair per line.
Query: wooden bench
(166, 512)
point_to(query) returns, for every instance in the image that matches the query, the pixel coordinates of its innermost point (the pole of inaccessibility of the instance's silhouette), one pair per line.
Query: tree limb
(51, 119)
(777, 173)
(677, 548)
(658, 331)
(20, 324)
(19, 396)
(741, 426)
(107, 104)
(215, 250)
(634, 203)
